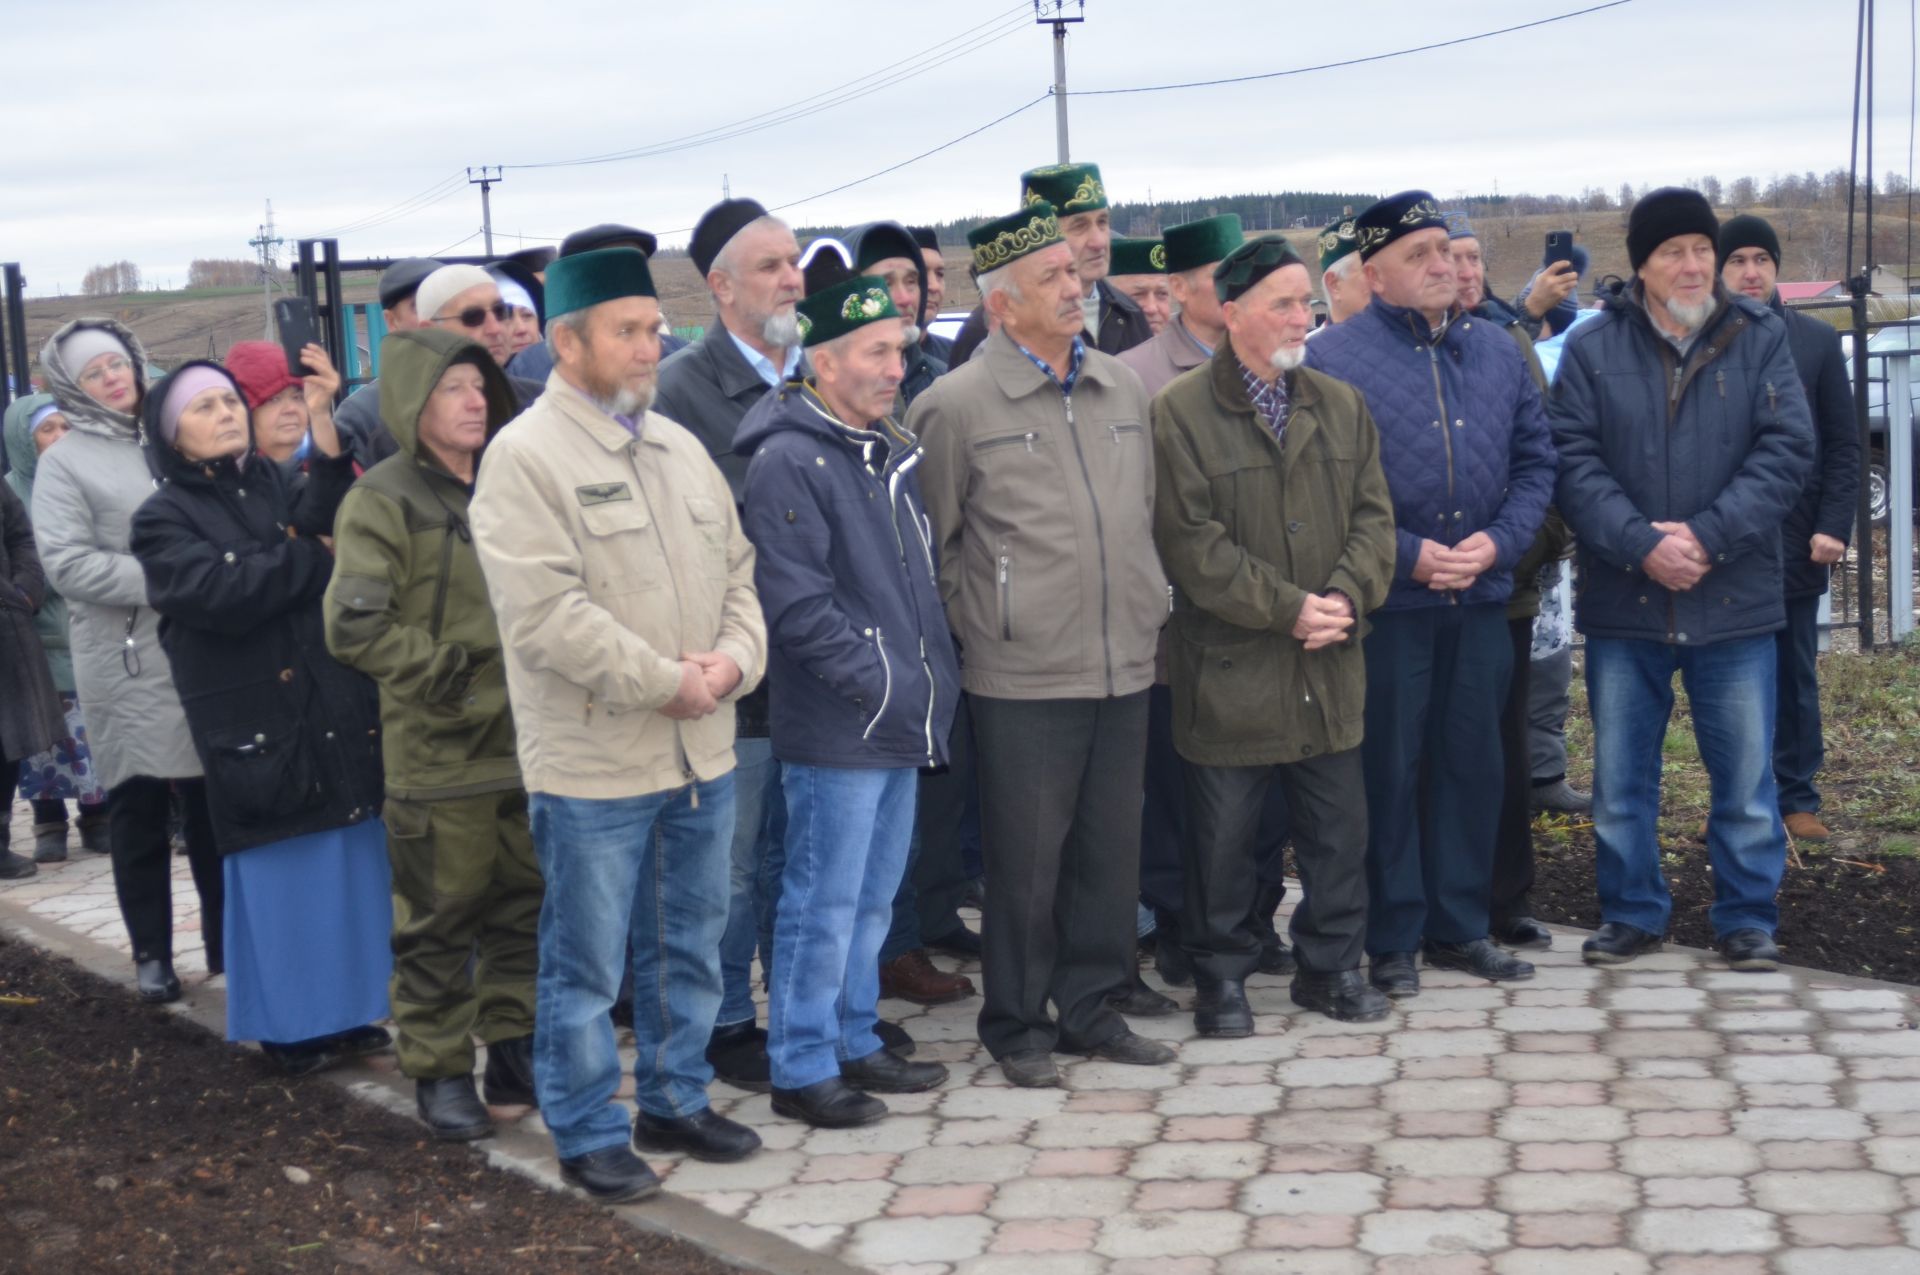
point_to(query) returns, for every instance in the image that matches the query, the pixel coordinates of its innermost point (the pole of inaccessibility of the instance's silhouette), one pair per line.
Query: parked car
(1891, 342)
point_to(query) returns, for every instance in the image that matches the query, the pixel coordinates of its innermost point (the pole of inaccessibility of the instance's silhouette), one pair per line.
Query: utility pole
(726, 187)
(489, 174)
(267, 243)
(1055, 13)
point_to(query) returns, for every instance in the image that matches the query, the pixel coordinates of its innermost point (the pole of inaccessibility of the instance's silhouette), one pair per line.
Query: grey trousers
(1060, 795)
(1547, 682)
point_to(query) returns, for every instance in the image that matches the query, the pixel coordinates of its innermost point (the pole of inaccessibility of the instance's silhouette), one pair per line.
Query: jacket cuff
(748, 677)
(1406, 553)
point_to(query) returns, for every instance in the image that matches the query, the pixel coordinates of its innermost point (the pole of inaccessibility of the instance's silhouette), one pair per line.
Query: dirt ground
(131, 1140)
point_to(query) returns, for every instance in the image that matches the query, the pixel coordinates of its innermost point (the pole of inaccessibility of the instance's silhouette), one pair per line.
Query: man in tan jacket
(1039, 484)
(629, 625)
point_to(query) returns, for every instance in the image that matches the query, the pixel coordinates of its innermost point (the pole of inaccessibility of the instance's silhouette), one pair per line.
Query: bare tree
(111, 279)
(1710, 187)
(1743, 194)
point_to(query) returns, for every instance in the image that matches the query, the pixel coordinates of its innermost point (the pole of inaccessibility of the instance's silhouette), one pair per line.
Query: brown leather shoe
(1804, 825)
(912, 976)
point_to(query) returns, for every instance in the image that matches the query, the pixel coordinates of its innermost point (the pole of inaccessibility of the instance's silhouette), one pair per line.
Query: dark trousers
(1436, 681)
(1513, 841)
(1799, 749)
(1163, 823)
(1060, 820)
(1225, 807)
(927, 905)
(142, 873)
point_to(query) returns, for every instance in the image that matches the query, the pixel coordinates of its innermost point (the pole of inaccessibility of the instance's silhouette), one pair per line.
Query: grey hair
(999, 279)
(723, 260)
(574, 321)
(1342, 270)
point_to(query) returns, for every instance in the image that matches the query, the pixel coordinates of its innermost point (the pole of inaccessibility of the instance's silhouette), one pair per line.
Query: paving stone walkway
(1666, 1118)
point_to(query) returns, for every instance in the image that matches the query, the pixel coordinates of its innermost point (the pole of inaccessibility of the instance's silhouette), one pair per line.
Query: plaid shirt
(1270, 400)
(1074, 361)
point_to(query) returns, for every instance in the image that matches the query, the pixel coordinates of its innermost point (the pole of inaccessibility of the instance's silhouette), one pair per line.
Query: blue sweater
(1463, 438)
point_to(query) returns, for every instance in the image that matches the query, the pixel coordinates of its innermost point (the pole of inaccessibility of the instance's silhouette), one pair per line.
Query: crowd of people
(550, 679)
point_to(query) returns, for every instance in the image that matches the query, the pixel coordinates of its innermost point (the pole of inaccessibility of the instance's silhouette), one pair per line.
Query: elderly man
(1465, 447)
(751, 263)
(1680, 542)
(1079, 198)
(1271, 585)
(536, 361)
(933, 282)
(1039, 483)
(1815, 534)
(887, 250)
(865, 694)
(1140, 273)
(358, 415)
(623, 587)
(1342, 283)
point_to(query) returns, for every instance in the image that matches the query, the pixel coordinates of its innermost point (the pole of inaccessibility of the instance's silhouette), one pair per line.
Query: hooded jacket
(365, 433)
(51, 620)
(408, 605)
(861, 666)
(85, 492)
(878, 241)
(287, 735)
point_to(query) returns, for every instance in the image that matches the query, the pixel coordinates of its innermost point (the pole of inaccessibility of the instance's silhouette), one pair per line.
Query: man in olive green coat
(1274, 523)
(408, 607)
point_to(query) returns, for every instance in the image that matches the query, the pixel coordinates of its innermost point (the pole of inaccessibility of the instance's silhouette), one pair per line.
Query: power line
(406, 207)
(471, 234)
(1373, 57)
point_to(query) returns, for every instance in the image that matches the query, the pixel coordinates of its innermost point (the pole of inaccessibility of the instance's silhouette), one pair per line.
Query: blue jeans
(759, 821)
(847, 834)
(647, 871)
(1730, 686)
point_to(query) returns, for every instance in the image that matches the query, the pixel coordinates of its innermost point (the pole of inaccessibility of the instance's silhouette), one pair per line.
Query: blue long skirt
(309, 923)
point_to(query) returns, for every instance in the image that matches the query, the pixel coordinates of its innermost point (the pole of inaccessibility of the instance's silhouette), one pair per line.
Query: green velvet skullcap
(1070, 188)
(1251, 262)
(585, 279)
(1138, 256)
(1193, 244)
(840, 308)
(1335, 242)
(1012, 237)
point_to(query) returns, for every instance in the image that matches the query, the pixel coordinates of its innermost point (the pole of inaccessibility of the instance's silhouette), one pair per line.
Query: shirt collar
(762, 365)
(1074, 361)
(1195, 341)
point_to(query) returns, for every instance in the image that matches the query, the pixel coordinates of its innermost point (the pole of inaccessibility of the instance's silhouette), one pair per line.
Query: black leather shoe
(1221, 1009)
(157, 982)
(883, 1071)
(1346, 996)
(1030, 1069)
(611, 1175)
(1170, 960)
(1616, 943)
(362, 1042)
(960, 942)
(1125, 1047)
(1277, 958)
(1481, 958)
(1750, 950)
(301, 1057)
(1141, 1001)
(508, 1081)
(703, 1135)
(894, 1038)
(828, 1104)
(1395, 974)
(738, 1054)
(1523, 933)
(451, 1109)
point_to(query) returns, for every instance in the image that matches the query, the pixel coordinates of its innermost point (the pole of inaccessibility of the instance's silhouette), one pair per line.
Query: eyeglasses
(129, 653)
(475, 315)
(112, 367)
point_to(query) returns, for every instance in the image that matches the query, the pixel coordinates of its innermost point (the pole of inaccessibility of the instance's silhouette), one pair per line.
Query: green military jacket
(408, 605)
(1245, 531)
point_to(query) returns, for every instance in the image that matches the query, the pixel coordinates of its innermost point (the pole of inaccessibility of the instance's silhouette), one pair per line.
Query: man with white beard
(1680, 541)
(1275, 526)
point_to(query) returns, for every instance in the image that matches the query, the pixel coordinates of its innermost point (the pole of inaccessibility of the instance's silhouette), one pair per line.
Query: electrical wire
(472, 234)
(432, 194)
(1373, 57)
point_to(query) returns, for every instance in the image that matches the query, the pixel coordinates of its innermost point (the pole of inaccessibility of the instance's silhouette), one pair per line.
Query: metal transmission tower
(489, 174)
(267, 244)
(1057, 14)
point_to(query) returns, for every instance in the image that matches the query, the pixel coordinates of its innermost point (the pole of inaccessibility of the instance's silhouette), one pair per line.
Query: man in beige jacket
(629, 625)
(1039, 483)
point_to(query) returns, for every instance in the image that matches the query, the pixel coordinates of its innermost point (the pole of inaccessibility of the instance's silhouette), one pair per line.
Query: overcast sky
(155, 131)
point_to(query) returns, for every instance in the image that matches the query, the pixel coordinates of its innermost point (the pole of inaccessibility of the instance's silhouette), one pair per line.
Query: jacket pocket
(262, 774)
(1236, 689)
(619, 555)
(1003, 593)
(710, 528)
(886, 688)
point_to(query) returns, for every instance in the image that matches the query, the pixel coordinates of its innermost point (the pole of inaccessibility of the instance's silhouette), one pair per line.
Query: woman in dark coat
(236, 562)
(30, 714)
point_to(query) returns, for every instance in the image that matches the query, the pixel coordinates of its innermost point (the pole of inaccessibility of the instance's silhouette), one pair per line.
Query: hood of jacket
(412, 363)
(879, 240)
(797, 406)
(80, 410)
(22, 456)
(165, 460)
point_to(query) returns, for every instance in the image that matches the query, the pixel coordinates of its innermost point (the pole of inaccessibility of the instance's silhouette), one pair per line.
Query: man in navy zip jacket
(864, 695)
(1465, 447)
(1684, 442)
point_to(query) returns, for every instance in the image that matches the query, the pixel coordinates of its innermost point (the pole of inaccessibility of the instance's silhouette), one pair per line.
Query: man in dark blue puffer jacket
(1465, 447)
(1684, 441)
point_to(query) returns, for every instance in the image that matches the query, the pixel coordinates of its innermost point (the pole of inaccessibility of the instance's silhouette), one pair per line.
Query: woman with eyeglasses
(236, 557)
(84, 494)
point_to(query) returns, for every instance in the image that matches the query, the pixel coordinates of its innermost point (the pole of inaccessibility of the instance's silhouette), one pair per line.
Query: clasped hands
(706, 677)
(1440, 567)
(1679, 561)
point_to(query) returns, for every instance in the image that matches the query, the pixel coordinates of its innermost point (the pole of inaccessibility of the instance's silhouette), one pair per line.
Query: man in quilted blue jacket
(1470, 464)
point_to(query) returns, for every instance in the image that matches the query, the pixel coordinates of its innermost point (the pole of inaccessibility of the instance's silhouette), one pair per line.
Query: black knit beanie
(1748, 231)
(1662, 214)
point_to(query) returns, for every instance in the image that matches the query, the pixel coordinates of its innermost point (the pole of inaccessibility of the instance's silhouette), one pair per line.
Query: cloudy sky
(155, 129)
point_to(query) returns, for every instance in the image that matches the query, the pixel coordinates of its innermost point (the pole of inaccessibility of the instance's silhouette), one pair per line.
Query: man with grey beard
(1275, 526)
(1680, 541)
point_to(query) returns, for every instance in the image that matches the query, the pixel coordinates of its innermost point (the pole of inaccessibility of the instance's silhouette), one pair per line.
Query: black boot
(1345, 996)
(49, 842)
(704, 1135)
(828, 1104)
(1221, 1009)
(93, 834)
(157, 982)
(508, 1081)
(738, 1055)
(1137, 1000)
(1480, 958)
(884, 1071)
(611, 1175)
(451, 1109)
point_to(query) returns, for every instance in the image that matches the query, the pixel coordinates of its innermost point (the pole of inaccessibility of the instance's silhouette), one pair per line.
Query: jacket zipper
(1446, 441)
(1006, 597)
(440, 586)
(991, 443)
(1100, 538)
(886, 693)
